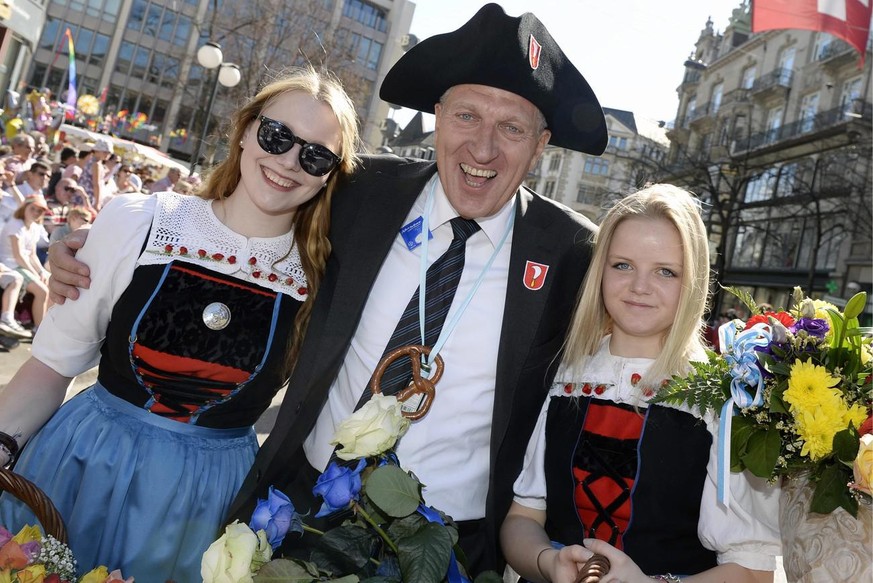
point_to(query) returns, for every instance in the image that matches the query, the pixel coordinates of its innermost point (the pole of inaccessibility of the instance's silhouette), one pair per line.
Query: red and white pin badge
(534, 49)
(535, 275)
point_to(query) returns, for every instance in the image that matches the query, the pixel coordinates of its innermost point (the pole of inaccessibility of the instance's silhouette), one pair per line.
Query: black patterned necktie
(441, 283)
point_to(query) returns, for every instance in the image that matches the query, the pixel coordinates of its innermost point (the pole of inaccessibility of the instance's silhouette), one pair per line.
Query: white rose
(372, 429)
(863, 466)
(229, 559)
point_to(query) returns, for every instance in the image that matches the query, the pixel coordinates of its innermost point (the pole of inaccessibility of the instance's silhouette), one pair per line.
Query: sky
(630, 51)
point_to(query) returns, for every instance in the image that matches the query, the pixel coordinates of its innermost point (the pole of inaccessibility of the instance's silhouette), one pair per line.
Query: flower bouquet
(793, 389)
(30, 557)
(390, 535)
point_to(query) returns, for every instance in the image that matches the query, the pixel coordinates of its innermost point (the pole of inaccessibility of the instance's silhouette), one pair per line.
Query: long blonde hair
(312, 219)
(684, 341)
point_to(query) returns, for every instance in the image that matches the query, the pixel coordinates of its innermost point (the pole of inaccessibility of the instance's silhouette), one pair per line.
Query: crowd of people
(42, 189)
(304, 263)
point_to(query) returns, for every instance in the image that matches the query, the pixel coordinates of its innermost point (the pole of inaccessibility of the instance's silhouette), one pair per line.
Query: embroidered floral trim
(183, 226)
(204, 256)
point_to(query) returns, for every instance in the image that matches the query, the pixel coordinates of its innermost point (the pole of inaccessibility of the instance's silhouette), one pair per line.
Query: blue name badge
(411, 233)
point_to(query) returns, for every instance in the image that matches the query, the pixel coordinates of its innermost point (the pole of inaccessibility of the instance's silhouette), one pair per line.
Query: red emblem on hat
(535, 275)
(533, 52)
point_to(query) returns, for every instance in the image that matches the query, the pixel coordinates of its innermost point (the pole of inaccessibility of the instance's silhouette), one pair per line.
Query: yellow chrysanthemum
(810, 385)
(856, 414)
(817, 429)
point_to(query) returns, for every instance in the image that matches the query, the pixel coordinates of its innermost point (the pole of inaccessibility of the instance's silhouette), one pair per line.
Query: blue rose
(813, 326)
(338, 486)
(276, 516)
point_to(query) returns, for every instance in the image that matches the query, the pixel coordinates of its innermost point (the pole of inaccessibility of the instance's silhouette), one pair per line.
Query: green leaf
(406, 526)
(346, 579)
(344, 549)
(746, 298)
(846, 445)
(741, 431)
(284, 570)
(380, 580)
(855, 305)
(394, 491)
(762, 451)
(424, 557)
(831, 491)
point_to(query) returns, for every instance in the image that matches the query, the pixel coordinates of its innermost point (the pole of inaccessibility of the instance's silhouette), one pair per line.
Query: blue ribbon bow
(739, 351)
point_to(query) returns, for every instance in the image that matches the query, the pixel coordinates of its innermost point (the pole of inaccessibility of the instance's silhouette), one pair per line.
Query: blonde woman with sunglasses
(195, 317)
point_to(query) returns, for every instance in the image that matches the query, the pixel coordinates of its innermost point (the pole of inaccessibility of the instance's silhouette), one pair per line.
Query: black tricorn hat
(516, 54)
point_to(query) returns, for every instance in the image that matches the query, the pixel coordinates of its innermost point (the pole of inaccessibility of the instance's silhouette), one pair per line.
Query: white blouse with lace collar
(185, 228)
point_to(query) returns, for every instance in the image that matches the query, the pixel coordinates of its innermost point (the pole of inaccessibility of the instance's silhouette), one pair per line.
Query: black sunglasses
(275, 138)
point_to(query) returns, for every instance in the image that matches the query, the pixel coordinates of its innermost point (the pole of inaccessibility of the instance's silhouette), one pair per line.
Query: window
(690, 109)
(98, 51)
(788, 180)
(374, 56)
(851, 93)
(786, 59)
(137, 14)
(588, 194)
(549, 190)
(774, 123)
(761, 187)
(49, 37)
(617, 142)
(822, 42)
(183, 31)
(808, 109)
(166, 31)
(366, 14)
(748, 77)
(555, 163)
(596, 166)
(140, 63)
(125, 56)
(715, 102)
(748, 245)
(152, 20)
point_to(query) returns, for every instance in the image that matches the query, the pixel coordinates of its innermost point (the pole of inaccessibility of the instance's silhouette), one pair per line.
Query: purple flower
(813, 326)
(338, 486)
(5, 536)
(276, 516)
(32, 550)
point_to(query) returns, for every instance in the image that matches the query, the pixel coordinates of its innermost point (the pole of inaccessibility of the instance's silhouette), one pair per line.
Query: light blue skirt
(137, 492)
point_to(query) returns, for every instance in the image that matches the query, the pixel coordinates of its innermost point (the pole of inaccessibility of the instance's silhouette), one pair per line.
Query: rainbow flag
(72, 94)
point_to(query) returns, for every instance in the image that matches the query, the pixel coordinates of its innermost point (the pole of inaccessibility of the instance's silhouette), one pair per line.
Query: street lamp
(209, 56)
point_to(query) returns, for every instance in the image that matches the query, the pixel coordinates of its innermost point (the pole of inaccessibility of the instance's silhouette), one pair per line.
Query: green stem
(308, 528)
(377, 528)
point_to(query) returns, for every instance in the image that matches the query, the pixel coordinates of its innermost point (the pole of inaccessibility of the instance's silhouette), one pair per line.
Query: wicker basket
(37, 501)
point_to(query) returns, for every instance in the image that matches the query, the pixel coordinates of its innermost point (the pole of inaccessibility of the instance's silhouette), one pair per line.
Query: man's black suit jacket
(367, 213)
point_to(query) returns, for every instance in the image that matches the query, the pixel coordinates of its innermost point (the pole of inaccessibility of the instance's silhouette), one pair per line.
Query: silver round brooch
(216, 316)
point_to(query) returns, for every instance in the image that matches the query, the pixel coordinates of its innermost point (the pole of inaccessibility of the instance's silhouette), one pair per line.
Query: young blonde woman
(606, 472)
(195, 315)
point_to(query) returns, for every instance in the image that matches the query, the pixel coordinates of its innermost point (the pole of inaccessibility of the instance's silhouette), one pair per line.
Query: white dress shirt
(448, 449)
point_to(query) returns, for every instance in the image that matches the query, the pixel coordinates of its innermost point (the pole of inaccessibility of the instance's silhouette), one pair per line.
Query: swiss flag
(846, 19)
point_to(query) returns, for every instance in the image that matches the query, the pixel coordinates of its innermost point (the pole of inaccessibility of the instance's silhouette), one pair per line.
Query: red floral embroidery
(635, 378)
(648, 392)
(183, 250)
(252, 260)
(168, 248)
(201, 252)
(217, 256)
(272, 277)
(256, 274)
(302, 291)
(232, 259)
(586, 389)
(568, 388)
(599, 389)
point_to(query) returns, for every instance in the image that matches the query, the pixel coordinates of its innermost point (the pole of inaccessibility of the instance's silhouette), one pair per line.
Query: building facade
(773, 131)
(589, 184)
(140, 56)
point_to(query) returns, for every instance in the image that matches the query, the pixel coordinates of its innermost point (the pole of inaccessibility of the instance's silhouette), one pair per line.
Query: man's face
(38, 178)
(487, 140)
(62, 194)
(174, 174)
(24, 149)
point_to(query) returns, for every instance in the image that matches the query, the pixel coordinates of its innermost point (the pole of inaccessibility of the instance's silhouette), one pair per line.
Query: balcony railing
(778, 78)
(833, 49)
(809, 125)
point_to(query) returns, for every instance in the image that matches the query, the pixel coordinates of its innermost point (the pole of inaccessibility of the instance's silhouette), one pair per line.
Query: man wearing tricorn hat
(501, 89)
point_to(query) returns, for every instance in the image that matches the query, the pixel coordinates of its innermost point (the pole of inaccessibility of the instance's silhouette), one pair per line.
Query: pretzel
(592, 571)
(419, 385)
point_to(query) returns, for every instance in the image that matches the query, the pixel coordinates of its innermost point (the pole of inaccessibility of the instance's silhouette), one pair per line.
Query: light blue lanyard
(449, 326)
